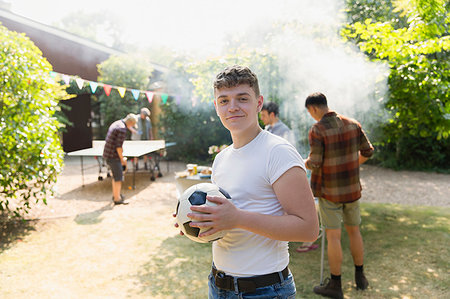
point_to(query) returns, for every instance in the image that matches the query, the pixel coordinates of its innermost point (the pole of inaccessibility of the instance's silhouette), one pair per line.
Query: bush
(417, 133)
(194, 129)
(30, 154)
(415, 153)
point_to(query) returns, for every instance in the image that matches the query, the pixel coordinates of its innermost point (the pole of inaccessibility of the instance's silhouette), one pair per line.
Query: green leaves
(419, 59)
(126, 71)
(31, 155)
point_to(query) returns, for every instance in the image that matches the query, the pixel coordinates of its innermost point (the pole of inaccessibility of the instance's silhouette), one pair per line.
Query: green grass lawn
(407, 256)
(137, 254)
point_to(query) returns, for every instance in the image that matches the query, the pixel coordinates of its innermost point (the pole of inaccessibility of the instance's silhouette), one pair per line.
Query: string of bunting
(107, 88)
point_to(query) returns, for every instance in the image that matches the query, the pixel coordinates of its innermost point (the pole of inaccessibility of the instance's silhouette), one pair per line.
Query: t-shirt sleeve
(282, 158)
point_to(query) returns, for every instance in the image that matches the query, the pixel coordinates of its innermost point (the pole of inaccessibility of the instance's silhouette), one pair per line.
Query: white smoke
(305, 38)
(304, 34)
(312, 57)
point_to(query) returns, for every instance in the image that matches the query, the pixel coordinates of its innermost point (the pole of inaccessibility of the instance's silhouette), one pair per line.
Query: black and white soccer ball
(196, 196)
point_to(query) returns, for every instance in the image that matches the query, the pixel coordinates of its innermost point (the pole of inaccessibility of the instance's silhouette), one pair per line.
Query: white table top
(131, 148)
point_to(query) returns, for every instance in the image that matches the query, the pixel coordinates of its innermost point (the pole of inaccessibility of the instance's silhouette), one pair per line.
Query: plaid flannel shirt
(336, 142)
(117, 132)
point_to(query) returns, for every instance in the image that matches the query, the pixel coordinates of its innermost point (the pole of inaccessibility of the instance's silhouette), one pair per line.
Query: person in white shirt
(272, 202)
(270, 117)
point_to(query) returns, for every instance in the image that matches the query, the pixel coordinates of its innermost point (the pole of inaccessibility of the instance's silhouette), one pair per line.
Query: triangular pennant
(80, 83)
(135, 93)
(149, 95)
(164, 97)
(93, 85)
(66, 79)
(121, 91)
(107, 89)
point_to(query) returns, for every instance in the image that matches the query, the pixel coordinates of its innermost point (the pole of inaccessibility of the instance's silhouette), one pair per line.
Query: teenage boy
(272, 202)
(338, 146)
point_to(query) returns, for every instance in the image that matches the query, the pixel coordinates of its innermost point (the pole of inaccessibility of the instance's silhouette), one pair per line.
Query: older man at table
(113, 153)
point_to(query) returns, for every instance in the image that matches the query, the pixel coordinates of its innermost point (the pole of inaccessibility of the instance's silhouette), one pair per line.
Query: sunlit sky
(190, 25)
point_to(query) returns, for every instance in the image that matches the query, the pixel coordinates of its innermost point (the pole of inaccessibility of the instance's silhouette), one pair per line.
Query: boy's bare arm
(299, 223)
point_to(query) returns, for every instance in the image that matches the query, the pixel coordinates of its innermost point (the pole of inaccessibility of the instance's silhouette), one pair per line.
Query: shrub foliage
(418, 54)
(30, 153)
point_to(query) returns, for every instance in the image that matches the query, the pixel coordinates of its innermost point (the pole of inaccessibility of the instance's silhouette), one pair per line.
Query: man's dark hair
(236, 75)
(316, 99)
(271, 107)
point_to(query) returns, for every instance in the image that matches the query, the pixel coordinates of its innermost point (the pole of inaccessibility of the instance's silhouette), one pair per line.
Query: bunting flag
(121, 91)
(149, 95)
(136, 94)
(66, 79)
(164, 97)
(93, 85)
(80, 83)
(107, 89)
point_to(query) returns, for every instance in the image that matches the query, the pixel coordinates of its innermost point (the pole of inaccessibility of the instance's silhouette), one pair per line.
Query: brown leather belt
(247, 284)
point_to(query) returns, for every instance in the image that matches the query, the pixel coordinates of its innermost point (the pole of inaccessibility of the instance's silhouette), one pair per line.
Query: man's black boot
(361, 281)
(332, 289)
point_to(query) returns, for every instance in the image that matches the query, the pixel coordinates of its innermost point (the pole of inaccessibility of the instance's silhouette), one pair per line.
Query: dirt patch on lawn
(72, 199)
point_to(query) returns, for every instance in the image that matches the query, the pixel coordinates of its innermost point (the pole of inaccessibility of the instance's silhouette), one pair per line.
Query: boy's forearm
(284, 228)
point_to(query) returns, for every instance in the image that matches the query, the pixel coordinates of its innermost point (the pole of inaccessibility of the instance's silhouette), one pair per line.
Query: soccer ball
(196, 196)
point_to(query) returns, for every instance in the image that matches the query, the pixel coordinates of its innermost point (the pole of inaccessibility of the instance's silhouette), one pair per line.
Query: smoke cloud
(304, 35)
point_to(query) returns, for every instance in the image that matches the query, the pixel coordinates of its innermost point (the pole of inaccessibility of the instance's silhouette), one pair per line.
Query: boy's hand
(223, 216)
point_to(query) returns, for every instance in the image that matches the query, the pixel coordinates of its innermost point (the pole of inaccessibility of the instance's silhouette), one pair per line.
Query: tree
(419, 96)
(30, 154)
(380, 11)
(101, 27)
(128, 71)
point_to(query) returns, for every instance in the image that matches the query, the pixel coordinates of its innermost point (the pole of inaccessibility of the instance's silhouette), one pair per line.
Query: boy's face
(238, 107)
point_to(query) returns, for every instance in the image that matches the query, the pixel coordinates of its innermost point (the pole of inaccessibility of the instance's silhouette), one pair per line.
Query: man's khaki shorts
(332, 214)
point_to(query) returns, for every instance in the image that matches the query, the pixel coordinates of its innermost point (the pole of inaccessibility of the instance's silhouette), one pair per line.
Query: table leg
(134, 173)
(82, 171)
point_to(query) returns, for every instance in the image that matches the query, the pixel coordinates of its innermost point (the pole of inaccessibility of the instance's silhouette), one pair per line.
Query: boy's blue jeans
(282, 290)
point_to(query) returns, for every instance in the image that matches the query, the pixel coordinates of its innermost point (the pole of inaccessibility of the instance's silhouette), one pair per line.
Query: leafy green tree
(380, 11)
(101, 27)
(264, 64)
(419, 59)
(30, 153)
(129, 71)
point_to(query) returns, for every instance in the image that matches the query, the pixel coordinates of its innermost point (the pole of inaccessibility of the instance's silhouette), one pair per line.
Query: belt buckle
(224, 281)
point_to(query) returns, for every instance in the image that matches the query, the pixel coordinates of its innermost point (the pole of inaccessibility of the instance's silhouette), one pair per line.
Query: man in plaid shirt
(113, 153)
(338, 146)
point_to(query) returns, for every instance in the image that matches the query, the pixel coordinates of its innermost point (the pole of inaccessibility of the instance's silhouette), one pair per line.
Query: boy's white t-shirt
(247, 174)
